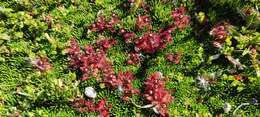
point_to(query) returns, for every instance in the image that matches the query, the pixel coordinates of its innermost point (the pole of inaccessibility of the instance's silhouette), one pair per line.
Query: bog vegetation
(123, 58)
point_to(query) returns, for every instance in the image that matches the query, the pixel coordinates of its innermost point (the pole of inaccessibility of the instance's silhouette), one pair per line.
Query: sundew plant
(130, 58)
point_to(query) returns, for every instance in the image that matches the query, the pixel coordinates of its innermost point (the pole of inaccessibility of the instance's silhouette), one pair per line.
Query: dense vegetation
(129, 58)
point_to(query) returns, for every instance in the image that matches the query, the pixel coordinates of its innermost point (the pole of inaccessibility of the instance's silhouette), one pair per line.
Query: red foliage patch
(114, 20)
(219, 33)
(88, 106)
(155, 93)
(148, 43)
(126, 79)
(241, 78)
(143, 21)
(151, 42)
(165, 36)
(129, 36)
(106, 43)
(92, 62)
(134, 58)
(99, 25)
(74, 53)
(180, 19)
(178, 12)
(48, 20)
(42, 64)
(174, 57)
(95, 64)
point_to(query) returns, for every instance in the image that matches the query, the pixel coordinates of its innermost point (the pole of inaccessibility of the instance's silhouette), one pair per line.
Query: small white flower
(161, 74)
(13, 108)
(203, 83)
(258, 73)
(137, 49)
(141, 55)
(90, 92)
(89, 31)
(226, 107)
(120, 88)
(216, 56)
(197, 115)
(100, 12)
(8, 114)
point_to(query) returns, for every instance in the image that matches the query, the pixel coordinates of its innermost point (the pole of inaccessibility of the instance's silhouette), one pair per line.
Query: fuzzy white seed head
(90, 92)
(203, 83)
(120, 88)
(226, 107)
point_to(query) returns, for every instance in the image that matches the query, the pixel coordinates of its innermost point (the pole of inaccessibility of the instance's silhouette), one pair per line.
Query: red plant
(88, 106)
(42, 64)
(174, 57)
(74, 53)
(134, 58)
(131, 1)
(95, 64)
(114, 20)
(143, 21)
(106, 43)
(99, 25)
(48, 20)
(166, 37)
(109, 79)
(129, 36)
(178, 12)
(74, 47)
(182, 22)
(151, 42)
(238, 77)
(219, 33)
(180, 19)
(122, 31)
(126, 79)
(155, 93)
(241, 78)
(102, 108)
(92, 62)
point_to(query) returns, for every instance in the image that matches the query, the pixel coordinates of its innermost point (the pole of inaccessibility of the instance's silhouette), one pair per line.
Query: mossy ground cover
(201, 84)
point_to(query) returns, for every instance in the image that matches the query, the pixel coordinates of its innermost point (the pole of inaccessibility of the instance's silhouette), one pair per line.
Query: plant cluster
(156, 94)
(42, 64)
(92, 61)
(129, 58)
(88, 106)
